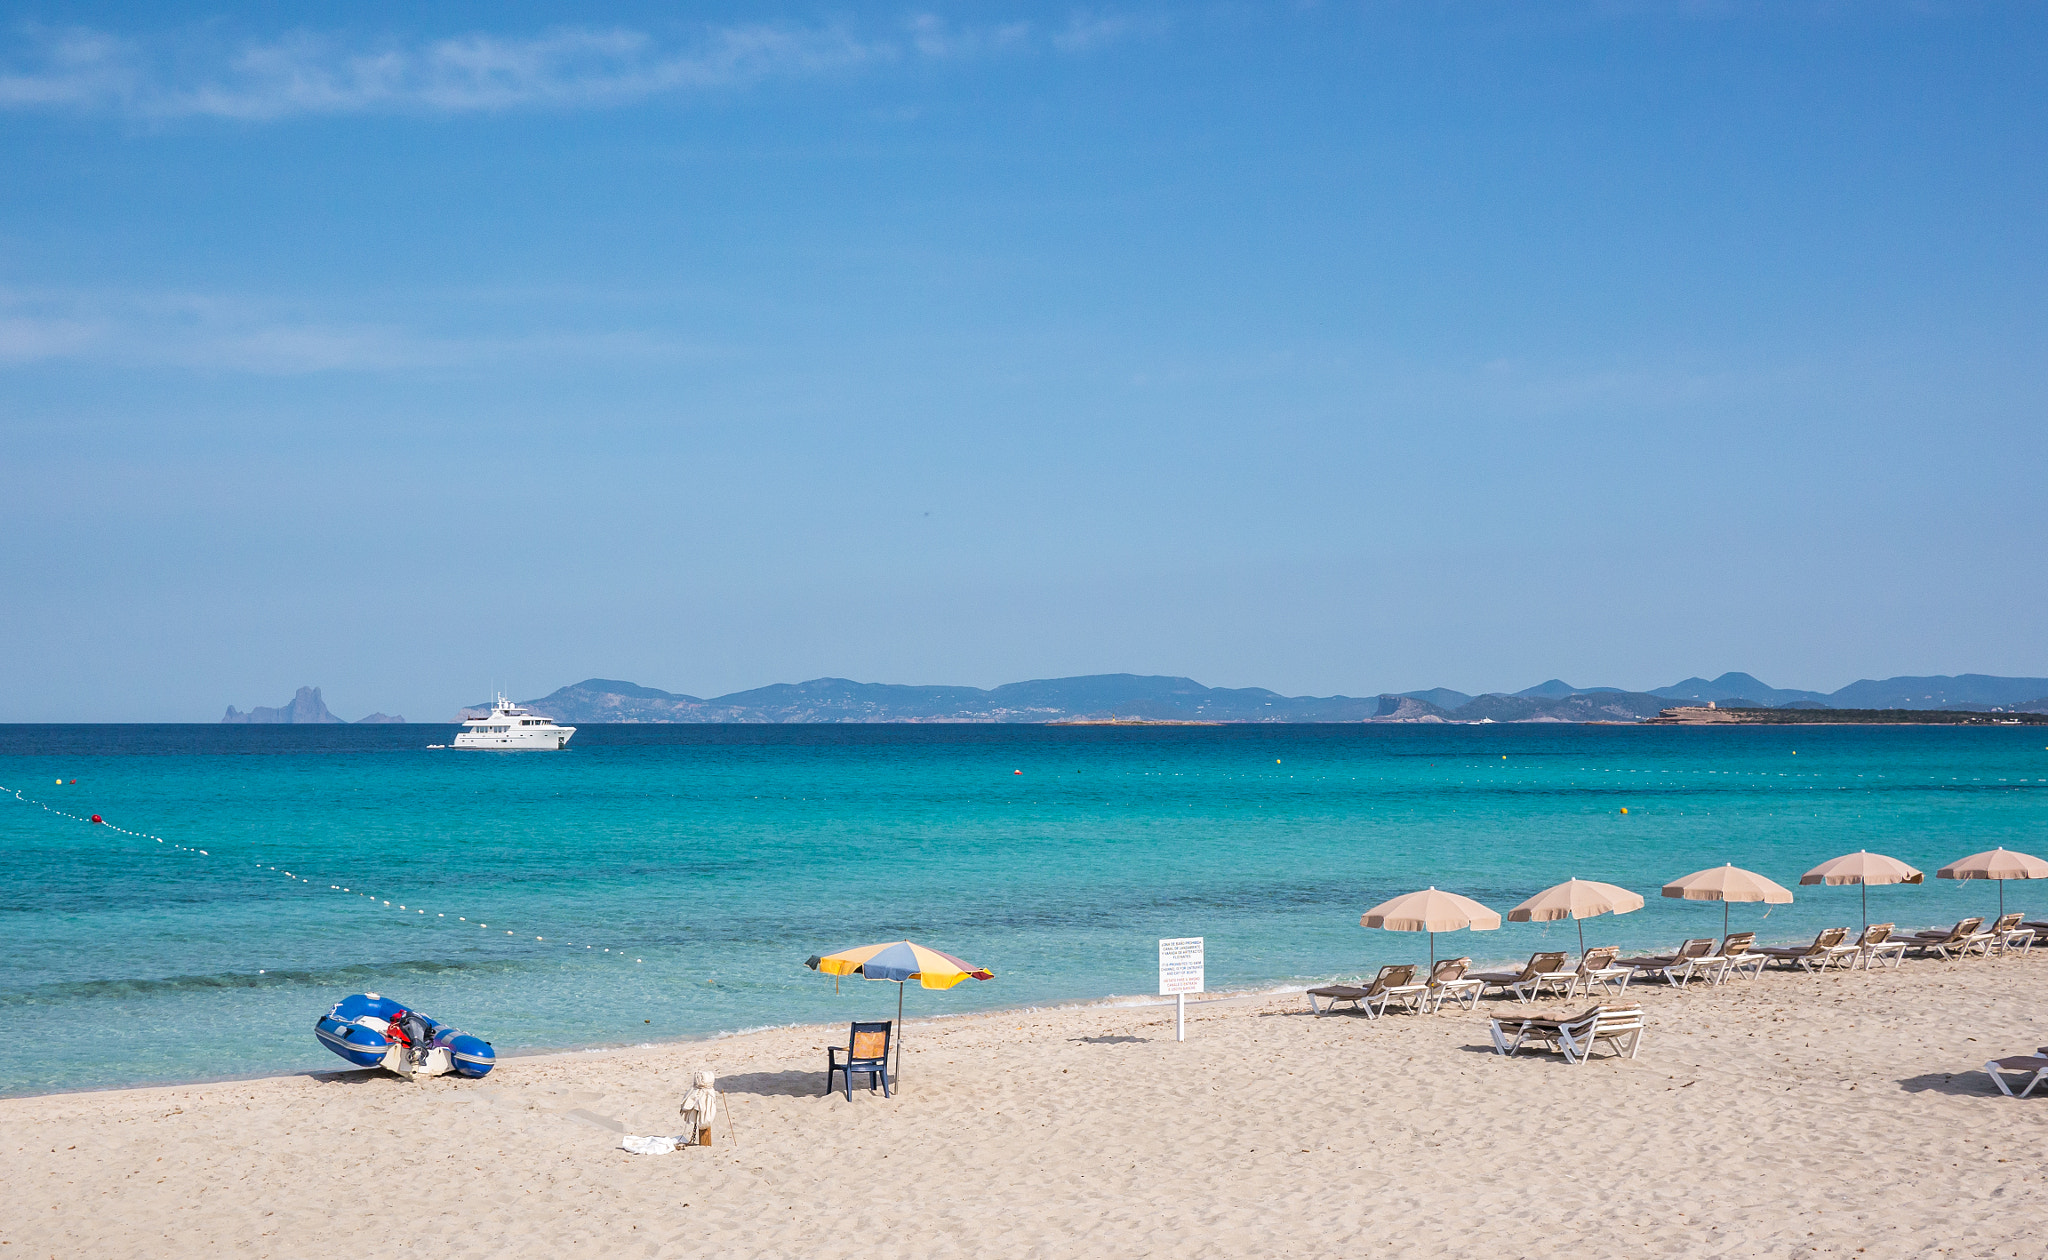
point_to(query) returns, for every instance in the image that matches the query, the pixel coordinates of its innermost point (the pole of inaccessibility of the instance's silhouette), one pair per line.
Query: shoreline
(1110, 1001)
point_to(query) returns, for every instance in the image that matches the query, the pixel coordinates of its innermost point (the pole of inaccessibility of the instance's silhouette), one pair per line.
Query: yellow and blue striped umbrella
(901, 961)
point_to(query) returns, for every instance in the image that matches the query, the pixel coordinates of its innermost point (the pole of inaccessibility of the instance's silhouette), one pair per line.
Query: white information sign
(1180, 965)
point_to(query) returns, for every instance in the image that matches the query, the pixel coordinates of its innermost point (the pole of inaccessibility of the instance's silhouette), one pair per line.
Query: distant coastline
(1140, 699)
(1162, 700)
(1124, 721)
(1706, 715)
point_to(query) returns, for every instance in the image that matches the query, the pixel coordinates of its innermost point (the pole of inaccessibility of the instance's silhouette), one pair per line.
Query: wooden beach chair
(1448, 983)
(1524, 983)
(1597, 967)
(1951, 944)
(1574, 1036)
(1676, 968)
(1394, 983)
(866, 1050)
(2032, 1068)
(1875, 944)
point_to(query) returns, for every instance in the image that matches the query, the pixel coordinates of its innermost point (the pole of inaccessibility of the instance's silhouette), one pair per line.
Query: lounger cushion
(1339, 991)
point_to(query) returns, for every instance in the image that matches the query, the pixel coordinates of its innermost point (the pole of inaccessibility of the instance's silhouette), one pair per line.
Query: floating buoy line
(373, 898)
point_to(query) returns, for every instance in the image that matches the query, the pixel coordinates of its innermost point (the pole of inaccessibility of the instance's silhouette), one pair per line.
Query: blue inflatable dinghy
(373, 1031)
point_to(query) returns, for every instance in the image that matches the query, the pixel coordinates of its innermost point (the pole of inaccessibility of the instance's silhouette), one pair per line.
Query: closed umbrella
(1576, 899)
(1865, 868)
(1431, 911)
(2000, 864)
(900, 961)
(1725, 884)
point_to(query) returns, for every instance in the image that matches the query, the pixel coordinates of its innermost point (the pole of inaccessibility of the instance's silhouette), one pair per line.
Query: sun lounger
(1951, 945)
(1448, 983)
(1575, 1036)
(1809, 958)
(2005, 935)
(1875, 944)
(1597, 967)
(2033, 1068)
(1676, 968)
(1736, 954)
(1394, 983)
(1524, 983)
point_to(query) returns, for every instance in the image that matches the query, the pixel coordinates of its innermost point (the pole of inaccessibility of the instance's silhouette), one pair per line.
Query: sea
(662, 883)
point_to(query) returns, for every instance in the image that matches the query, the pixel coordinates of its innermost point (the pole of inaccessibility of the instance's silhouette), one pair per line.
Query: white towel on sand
(654, 1145)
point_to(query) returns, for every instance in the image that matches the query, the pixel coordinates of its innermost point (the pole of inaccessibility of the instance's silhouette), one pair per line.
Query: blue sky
(1324, 347)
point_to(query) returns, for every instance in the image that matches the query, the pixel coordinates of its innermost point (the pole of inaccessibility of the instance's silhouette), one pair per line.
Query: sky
(411, 351)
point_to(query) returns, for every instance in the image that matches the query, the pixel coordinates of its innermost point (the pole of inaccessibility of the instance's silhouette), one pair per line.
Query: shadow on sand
(1957, 1084)
(793, 1084)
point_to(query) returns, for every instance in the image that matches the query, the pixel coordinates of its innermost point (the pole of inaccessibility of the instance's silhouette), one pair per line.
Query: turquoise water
(712, 861)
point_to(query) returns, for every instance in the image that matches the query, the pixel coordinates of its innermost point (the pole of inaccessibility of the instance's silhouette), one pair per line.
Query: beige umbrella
(1575, 899)
(2000, 864)
(1725, 884)
(1431, 911)
(1865, 868)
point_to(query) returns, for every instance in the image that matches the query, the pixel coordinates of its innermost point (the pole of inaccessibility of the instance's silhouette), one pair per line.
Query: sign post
(1180, 973)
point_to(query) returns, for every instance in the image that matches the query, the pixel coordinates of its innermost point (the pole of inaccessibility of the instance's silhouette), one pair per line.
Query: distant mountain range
(306, 708)
(1157, 698)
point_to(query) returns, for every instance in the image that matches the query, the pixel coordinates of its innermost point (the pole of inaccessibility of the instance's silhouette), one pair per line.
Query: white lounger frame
(1576, 1039)
(1998, 1077)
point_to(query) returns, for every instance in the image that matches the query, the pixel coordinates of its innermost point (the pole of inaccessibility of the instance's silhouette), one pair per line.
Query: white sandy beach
(1839, 1115)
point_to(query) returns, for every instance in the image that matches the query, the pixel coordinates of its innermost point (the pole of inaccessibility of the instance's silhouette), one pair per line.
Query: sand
(1790, 1116)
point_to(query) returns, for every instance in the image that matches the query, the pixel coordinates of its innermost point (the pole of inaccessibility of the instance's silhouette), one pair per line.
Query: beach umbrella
(1575, 899)
(2000, 864)
(1431, 911)
(1725, 884)
(1865, 868)
(901, 961)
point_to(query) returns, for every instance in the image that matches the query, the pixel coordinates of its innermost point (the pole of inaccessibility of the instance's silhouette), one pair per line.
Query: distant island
(305, 709)
(1138, 699)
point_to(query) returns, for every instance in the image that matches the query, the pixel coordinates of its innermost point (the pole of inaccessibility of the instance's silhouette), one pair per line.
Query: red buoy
(97, 818)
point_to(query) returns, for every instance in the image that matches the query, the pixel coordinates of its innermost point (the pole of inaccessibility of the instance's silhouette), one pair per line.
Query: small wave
(229, 981)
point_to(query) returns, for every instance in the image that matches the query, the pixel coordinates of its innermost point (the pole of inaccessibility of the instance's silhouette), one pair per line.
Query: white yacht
(511, 728)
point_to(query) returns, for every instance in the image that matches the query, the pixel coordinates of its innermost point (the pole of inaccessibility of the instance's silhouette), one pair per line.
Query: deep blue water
(711, 861)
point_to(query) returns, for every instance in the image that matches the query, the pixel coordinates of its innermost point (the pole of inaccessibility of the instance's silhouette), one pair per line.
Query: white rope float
(295, 877)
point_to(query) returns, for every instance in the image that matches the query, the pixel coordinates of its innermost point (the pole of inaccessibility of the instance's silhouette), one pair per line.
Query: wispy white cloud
(216, 333)
(1086, 32)
(310, 73)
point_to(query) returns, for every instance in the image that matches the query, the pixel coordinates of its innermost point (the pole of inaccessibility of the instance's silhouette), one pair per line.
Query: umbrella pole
(1582, 936)
(1432, 935)
(1866, 908)
(899, 1034)
(1724, 916)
